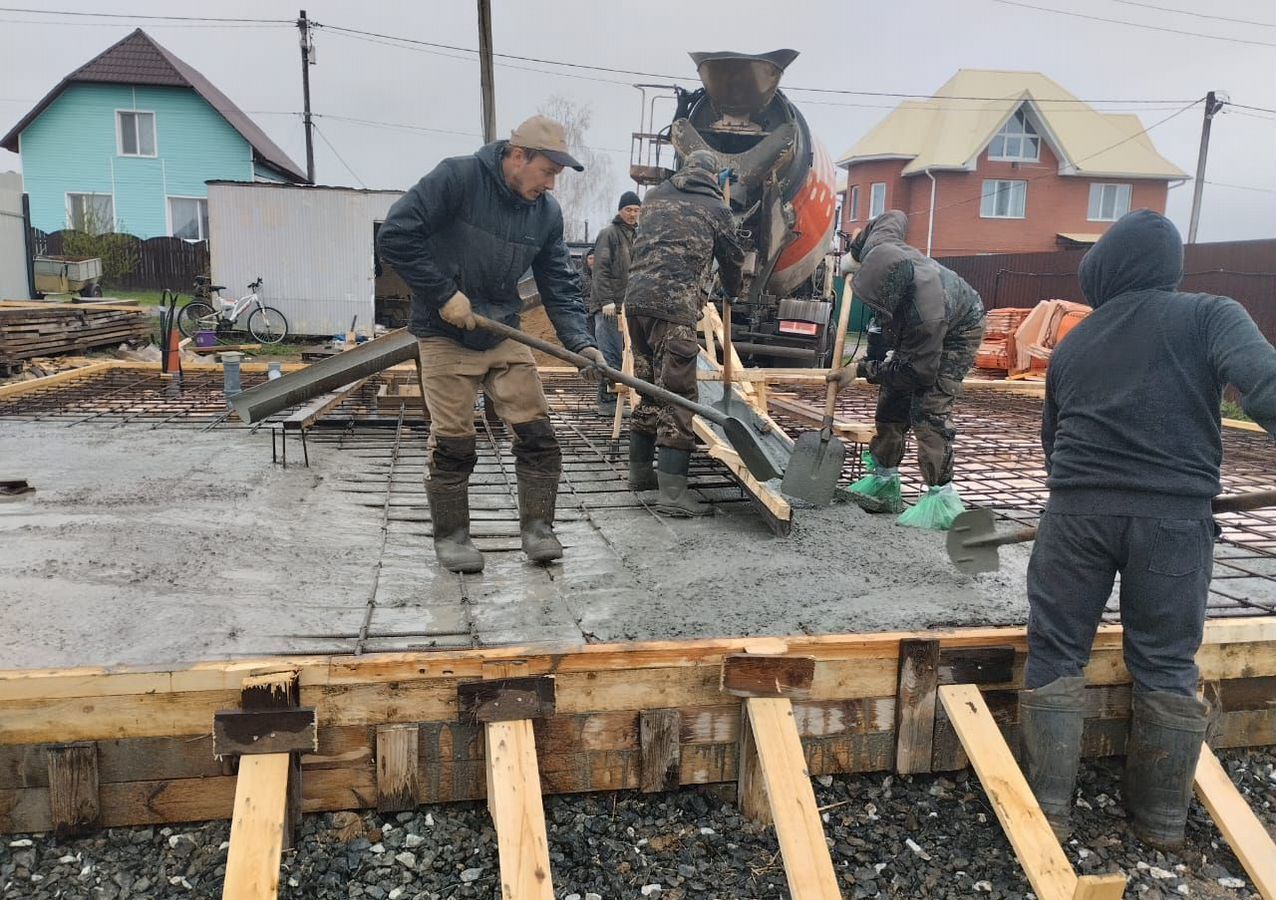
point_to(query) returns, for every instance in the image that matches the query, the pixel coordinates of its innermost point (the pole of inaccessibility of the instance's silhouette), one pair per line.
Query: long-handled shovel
(817, 456)
(738, 433)
(973, 539)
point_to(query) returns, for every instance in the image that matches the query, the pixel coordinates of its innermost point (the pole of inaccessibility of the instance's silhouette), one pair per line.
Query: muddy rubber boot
(537, 496)
(675, 499)
(450, 518)
(642, 462)
(1051, 719)
(1166, 732)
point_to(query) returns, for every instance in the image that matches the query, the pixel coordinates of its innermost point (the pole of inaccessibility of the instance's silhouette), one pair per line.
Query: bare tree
(586, 197)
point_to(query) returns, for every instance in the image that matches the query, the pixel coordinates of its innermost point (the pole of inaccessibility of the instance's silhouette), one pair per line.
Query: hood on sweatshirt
(1141, 252)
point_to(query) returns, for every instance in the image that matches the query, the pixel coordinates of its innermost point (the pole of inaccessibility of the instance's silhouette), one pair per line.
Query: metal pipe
(930, 219)
(775, 350)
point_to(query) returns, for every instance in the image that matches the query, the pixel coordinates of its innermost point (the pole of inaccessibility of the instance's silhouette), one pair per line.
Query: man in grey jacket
(612, 252)
(1132, 439)
(462, 238)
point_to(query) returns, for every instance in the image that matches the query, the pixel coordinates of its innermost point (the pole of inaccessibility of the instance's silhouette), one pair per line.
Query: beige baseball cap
(544, 134)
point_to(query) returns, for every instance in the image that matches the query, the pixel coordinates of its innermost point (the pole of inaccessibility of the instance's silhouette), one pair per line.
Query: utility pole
(486, 78)
(1212, 106)
(303, 24)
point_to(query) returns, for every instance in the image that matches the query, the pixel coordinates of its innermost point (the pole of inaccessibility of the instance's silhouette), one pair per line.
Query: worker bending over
(461, 239)
(612, 253)
(1132, 440)
(935, 322)
(686, 225)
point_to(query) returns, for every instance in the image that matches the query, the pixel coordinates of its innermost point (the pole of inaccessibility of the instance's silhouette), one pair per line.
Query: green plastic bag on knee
(936, 510)
(877, 491)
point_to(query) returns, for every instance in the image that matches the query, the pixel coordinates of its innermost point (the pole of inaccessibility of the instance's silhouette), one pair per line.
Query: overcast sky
(903, 46)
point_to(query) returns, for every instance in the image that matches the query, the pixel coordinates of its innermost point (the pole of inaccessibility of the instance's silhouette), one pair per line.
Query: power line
(1254, 108)
(1184, 12)
(98, 15)
(1077, 15)
(262, 24)
(323, 137)
(1240, 187)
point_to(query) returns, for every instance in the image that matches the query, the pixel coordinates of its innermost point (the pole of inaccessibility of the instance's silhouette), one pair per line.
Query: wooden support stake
(398, 767)
(659, 737)
(915, 705)
(514, 800)
(807, 864)
(276, 690)
(257, 828)
(1043, 860)
(506, 699)
(750, 789)
(1245, 833)
(73, 789)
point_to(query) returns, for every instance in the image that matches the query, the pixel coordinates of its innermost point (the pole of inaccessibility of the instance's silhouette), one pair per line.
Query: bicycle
(266, 324)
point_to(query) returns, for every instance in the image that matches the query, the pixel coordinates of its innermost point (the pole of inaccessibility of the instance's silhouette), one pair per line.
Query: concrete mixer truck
(782, 190)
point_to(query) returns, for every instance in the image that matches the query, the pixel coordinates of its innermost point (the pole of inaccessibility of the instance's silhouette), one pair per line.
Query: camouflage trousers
(665, 354)
(929, 411)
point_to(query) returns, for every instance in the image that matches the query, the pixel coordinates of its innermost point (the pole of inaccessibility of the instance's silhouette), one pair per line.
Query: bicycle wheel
(195, 317)
(267, 325)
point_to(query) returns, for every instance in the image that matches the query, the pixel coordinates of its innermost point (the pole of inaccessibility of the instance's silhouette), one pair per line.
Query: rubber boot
(537, 496)
(1050, 722)
(450, 516)
(1166, 732)
(675, 499)
(642, 461)
(878, 491)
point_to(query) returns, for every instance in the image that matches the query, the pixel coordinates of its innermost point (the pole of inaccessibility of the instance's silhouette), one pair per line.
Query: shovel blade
(745, 442)
(813, 471)
(971, 526)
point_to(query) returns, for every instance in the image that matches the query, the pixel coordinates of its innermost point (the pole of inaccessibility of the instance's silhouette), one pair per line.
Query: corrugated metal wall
(312, 245)
(13, 240)
(1244, 270)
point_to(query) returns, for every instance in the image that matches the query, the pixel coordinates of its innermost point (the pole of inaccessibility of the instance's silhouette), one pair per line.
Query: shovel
(738, 433)
(973, 539)
(817, 456)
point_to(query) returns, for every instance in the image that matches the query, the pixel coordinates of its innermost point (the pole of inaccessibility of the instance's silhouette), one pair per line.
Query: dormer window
(1017, 141)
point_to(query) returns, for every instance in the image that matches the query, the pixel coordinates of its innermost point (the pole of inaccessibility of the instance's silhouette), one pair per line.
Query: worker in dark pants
(462, 238)
(613, 251)
(1132, 441)
(686, 225)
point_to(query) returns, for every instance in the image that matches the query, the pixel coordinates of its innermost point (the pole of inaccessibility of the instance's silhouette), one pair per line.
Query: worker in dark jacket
(935, 323)
(461, 239)
(686, 225)
(612, 253)
(1132, 440)
(585, 277)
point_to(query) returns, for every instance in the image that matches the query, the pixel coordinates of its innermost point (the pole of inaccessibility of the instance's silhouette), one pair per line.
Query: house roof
(948, 132)
(138, 59)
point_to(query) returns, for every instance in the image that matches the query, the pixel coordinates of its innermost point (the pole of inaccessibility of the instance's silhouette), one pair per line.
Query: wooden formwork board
(151, 728)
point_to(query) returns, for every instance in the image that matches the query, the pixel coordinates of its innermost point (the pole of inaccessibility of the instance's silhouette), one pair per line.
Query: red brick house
(1032, 171)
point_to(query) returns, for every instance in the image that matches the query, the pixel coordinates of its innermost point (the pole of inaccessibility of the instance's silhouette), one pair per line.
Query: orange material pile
(993, 357)
(1049, 322)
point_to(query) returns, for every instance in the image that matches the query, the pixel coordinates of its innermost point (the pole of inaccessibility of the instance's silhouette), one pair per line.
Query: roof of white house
(945, 132)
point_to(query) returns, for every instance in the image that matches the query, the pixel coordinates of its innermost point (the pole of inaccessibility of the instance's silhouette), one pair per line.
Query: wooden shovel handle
(839, 347)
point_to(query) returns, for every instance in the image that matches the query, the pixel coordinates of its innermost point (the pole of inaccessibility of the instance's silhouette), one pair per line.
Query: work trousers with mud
(1165, 567)
(665, 354)
(927, 411)
(452, 376)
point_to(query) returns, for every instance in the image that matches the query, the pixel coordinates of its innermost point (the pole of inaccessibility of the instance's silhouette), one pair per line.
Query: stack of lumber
(28, 330)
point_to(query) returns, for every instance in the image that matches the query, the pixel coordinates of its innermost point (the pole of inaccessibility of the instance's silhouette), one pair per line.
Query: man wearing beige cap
(461, 239)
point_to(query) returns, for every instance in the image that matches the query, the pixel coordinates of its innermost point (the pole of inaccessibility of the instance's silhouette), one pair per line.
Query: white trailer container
(312, 245)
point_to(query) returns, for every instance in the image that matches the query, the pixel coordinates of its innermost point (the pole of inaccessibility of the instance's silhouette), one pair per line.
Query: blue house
(127, 141)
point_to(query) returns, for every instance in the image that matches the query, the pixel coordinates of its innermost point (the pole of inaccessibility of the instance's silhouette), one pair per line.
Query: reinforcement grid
(999, 461)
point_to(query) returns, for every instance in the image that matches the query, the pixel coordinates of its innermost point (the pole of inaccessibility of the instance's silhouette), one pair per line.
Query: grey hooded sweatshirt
(1131, 423)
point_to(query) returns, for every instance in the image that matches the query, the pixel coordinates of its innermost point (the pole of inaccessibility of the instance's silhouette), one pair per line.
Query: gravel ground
(931, 837)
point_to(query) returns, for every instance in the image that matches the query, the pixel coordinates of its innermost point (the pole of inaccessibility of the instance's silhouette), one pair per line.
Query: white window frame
(990, 190)
(70, 212)
(876, 208)
(168, 210)
(1027, 136)
(1094, 209)
(119, 133)
(853, 200)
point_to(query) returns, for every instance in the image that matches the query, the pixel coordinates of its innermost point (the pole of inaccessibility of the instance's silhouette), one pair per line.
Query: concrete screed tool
(738, 433)
(973, 540)
(816, 465)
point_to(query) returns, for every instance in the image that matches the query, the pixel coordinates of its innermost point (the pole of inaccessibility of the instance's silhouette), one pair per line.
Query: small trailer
(68, 275)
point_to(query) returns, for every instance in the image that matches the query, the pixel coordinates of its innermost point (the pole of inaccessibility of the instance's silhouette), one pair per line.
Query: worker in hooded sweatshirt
(1132, 441)
(934, 321)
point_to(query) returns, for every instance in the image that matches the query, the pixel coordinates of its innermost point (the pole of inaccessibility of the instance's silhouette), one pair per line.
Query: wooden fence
(162, 262)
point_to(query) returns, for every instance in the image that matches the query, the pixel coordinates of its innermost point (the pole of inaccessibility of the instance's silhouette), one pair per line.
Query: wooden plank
(317, 408)
(271, 690)
(750, 788)
(980, 665)
(1244, 831)
(807, 864)
(238, 732)
(1022, 820)
(514, 799)
(770, 498)
(398, 767)
(659, 733)
(257, 828)
(506, 699)
(915, 706)
(859, 432)
(19, 388)
(753, 675)
(74, 805)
